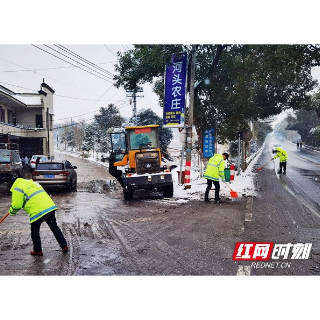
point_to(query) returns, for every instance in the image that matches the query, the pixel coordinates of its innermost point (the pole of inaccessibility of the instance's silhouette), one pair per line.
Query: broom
(264, 164)
(4, 217)
(233, 193)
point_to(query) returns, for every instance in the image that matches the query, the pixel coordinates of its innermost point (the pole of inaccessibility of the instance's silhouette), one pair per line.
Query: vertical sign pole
(190, 121)
(239, 161)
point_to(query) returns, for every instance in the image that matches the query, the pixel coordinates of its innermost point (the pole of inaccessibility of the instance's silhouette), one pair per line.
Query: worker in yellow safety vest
(283, 156)
(30, 196)
(214, 171)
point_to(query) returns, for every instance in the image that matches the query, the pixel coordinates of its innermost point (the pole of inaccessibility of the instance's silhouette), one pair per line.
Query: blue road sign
(208, 143)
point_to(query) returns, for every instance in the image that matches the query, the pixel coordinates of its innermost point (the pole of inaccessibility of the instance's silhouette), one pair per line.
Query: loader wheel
(128, 194)
(168, 191)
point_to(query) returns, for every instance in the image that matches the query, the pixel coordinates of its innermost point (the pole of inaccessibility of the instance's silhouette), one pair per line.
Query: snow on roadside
(242, 183)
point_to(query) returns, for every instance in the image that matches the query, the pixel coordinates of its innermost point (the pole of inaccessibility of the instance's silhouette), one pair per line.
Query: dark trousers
(283, 166)
(209, 186)
(50, 219)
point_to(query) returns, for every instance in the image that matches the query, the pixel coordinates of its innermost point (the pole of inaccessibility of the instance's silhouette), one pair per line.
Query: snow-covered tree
(107, 118)
(89, 137)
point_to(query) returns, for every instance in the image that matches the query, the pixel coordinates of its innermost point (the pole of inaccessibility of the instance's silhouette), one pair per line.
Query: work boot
(65, 249)
(279, 171)
(206, 200)
(36, 253)
(284, 172)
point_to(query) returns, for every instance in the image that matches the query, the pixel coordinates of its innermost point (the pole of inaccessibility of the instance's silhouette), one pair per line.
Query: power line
(125, 104)
(71, 63)
(126, 47)
(60, 47)
(77, 61)
(44, 76)
(110, 51)
(37, 69)
(56, 95)
(85, 60)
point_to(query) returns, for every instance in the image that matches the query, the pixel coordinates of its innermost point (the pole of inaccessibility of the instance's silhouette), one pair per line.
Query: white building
(26, 119)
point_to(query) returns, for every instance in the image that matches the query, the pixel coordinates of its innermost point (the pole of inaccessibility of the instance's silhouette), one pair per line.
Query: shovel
(233, 194)
(4, 217)
(264, 164)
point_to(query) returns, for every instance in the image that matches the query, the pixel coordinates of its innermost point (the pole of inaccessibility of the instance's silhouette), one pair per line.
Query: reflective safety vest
(215, 168)
(281, 154)
(30, 196)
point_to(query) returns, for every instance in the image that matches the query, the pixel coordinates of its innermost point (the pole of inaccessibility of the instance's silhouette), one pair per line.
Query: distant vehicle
(56, 174)
(32, 163)
(10, 163)
(274, 147)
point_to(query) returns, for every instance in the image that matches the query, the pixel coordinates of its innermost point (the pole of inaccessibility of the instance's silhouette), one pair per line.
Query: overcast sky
(79, 91)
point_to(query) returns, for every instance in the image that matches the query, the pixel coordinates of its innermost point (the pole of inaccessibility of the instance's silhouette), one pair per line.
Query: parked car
(274, 147)
(10, 164)
(32, 163)
(56, 174)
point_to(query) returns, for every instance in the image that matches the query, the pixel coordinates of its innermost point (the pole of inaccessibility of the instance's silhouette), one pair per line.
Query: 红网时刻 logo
(263, 251)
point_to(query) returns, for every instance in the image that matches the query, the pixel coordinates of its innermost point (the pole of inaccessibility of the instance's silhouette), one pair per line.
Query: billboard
(175, 91)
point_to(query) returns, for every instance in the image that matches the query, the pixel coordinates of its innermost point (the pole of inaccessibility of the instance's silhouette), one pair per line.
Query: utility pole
(215, 140)
(243, 155)
(239, 154)
(190, 120)
(48, 133)
(133, 94)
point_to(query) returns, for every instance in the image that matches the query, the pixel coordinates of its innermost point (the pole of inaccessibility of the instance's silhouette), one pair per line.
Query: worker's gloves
(11, 214)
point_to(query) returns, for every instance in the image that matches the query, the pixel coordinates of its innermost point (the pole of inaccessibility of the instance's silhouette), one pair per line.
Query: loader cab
(143, 138)
(135, 143)
(143, 149)
(119, 145)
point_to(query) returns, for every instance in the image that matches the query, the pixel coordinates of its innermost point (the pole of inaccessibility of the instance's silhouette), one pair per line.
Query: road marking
(248, 215)
(245, 270)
